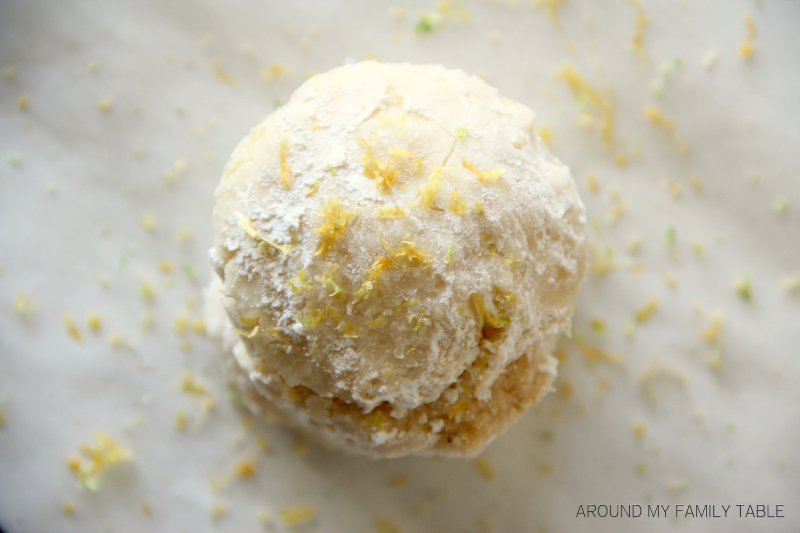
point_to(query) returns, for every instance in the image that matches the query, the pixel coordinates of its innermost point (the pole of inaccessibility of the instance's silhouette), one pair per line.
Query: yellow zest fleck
(180, 419)
(377, 323)
(546, 133)
(407, 251)
(655, 116)
(191, 385)
(244, 469)
(791, 283)
(311, 190)
(327, 280)
(618, 210)
(483, 175)
(22, 304)
(390, 211)
(450, 252)
(592, 354)
(488, 319)
(658, 371)
(383, 174)
(639, 429)
(592, 183)
(244, 223)
(586, 94)
(545, 468)
(456, 204)
(220, 73)
(478, 207)
(349, 330)
(637, 44)
(104, 454)
(285, 175)
(294, 516)
(72, 329)
(405, 153)
(746, 46)
(275, 70)
(299, 283)
(677, 485)
(673, 186)
(216, 510)
(620, 159)
(598, 325)
(247, 333)
(709, 59)
(641, 467)
(374, 272)
(165, 266)
(602, 262)
(22, 102)
(94, 322)
(333, 228)
(68, 508)
(550, 6)
(104, 105)
(643, 313)
(428, 191)
(711, 333)
(484, 468)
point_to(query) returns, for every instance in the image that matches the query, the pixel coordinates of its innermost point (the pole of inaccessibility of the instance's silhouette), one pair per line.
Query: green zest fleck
(461, 132)
(780, 204)
(189, 271)
(743, 286)
(670, 234)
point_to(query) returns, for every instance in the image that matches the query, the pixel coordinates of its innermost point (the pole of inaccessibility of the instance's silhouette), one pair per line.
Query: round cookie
(397, 252)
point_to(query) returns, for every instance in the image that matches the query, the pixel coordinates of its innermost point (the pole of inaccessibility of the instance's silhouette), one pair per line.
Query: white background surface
(733, 437)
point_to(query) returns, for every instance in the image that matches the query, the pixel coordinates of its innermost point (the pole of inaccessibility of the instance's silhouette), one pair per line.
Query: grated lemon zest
(244, 223)
(456, 204)
(104, 454)
(483, 175)
(390, 211)
(586, 94)
(333, 228)
(285, 175)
